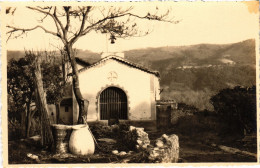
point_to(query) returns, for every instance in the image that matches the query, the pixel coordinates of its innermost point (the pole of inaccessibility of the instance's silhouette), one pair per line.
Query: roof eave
(124, 61)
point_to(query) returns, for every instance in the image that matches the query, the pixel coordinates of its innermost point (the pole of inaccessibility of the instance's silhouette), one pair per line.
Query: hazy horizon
(153, 47)
(200, 23)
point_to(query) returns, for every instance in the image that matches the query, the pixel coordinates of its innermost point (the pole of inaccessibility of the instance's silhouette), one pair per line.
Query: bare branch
(45, 15)
(59, 22)
(109, 22)
(85, 16)
(39, 9)
(23, 30)
(55, 19)
(10, 10)
(120, 14)
(67, 10)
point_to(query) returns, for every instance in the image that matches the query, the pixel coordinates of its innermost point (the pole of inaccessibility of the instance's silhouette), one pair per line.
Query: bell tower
(112, 48)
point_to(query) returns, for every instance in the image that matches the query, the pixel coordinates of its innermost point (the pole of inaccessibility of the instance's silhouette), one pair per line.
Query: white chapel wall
(134, 82)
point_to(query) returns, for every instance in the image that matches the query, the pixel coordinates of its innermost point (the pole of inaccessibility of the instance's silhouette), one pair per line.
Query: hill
(192, 74)
(196, 55)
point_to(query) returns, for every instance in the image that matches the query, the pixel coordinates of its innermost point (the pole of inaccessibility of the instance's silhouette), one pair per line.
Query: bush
(237, 108)
(14, 130)
(197, 124)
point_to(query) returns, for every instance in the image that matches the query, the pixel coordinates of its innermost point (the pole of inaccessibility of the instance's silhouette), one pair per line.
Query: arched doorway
(113, 104)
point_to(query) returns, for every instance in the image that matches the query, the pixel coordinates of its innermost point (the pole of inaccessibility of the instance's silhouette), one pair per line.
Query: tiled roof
(82, 62)
(124, 61)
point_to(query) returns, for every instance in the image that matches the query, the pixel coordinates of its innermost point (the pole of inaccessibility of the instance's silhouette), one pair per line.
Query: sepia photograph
(129, 82)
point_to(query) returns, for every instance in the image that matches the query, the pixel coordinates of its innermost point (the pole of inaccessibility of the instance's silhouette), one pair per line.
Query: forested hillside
(193, 74)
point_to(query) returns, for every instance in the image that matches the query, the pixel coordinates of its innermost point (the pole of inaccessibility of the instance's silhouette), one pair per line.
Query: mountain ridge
(192, 74)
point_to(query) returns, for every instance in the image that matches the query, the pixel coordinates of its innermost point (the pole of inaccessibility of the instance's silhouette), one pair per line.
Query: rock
(115, 152)
(130, 152)
(144, 146)
(164, 136)
(167, 152)
(35, 138)
(140, 129)
(155, 154)
(131, 128)
(32, 156)
(136, 138)
(159, 143)
(139, 142)
(122, 153)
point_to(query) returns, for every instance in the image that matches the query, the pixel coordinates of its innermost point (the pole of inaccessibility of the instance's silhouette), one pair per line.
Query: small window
(66, 109)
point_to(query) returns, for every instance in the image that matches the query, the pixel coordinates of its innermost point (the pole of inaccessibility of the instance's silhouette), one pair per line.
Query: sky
(200, 22)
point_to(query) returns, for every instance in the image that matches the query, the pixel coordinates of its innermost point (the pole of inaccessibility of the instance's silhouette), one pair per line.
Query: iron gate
(113, 104)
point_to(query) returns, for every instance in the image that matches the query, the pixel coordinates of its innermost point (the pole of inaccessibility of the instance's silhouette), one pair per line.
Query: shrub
(198, 124)
(237, 108)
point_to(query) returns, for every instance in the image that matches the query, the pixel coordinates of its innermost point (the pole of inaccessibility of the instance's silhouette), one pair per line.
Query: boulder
(166, 149)
(115, 152)
(136, 138)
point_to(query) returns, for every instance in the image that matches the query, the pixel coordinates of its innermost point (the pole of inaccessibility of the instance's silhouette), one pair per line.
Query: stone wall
(168, 113)
(165, 150)
(176, 114)
(136, 138)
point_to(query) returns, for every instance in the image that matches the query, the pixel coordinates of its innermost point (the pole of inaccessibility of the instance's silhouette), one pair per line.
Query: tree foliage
(237, 106)
(20, 77)
(21, 87)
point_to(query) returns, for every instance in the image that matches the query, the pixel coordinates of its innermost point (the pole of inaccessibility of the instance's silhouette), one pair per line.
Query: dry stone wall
(165, 149)
(136, 138)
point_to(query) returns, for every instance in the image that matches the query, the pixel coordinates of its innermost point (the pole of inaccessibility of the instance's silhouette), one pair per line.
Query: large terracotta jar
(81, 140)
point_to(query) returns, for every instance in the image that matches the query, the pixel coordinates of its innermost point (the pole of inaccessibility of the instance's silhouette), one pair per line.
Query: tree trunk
(63, 66)
(82, 103)
(29, 116)
(58, 112)
(41, 104)
(28, 124)
(23, 123)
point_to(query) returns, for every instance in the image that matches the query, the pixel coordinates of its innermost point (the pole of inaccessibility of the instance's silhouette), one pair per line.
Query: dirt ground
(198, 152)
(190, 151)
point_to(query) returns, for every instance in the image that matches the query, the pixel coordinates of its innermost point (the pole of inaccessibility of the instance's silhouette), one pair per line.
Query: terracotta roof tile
(124, 61)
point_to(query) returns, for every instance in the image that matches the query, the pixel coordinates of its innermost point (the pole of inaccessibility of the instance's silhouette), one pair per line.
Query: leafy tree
(237, 106)
(20, 91)
(72, 23)
(21, 87)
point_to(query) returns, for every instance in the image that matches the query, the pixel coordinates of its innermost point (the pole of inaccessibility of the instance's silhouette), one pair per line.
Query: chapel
(115, 88)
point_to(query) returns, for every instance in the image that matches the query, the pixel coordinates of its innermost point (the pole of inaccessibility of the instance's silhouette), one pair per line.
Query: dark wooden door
(113, 104)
